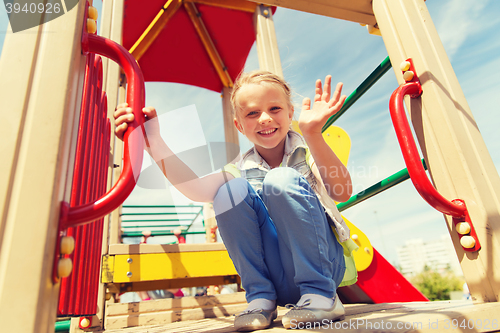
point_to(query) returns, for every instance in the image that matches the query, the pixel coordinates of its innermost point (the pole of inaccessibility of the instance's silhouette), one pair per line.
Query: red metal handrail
(133, 145)
(411, 155)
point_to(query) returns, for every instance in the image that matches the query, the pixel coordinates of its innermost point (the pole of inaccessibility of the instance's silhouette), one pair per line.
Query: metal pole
(379, 187)
(384, 66)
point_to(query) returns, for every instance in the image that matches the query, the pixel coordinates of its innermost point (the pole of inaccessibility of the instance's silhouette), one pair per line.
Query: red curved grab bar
(133, 146)
(411, 155)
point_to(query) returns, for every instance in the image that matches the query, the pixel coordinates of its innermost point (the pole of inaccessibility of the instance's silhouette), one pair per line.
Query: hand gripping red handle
(411, 155)
(133, 144)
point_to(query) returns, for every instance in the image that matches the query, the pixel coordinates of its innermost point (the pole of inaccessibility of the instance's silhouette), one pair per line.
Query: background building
(438, 255)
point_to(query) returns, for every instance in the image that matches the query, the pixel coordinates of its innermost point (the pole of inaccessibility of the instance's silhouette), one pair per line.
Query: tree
(436, 286)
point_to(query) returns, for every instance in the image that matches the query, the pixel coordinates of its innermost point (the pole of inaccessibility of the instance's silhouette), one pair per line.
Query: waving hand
(325, 105)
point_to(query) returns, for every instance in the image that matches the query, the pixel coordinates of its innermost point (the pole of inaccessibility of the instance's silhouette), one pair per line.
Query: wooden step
(164, 311)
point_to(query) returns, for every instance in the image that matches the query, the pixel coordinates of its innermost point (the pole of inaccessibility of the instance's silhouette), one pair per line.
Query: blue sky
(313, 46)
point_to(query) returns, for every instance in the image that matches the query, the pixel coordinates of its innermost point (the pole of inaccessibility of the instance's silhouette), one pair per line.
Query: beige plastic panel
(13, 108)
(265, 39)
(230, 131)
(39, 104)
(351, 10)
(455, 152)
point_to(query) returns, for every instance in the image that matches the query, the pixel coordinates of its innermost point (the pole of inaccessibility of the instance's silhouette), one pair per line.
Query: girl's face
(264, 114)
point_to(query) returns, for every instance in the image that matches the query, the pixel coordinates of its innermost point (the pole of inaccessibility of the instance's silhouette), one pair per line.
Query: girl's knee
(230, 195)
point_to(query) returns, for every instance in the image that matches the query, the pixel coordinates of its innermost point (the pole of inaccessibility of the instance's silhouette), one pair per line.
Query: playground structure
(51, 87)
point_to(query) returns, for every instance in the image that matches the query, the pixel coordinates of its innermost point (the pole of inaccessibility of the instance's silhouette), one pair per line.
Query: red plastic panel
(78, 293)
(178, 55)
(382, 283)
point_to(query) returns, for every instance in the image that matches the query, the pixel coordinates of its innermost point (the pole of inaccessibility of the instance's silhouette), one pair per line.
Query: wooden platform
(443, 316)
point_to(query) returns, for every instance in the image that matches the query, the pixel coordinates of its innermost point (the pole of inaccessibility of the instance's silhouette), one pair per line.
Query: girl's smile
(268, 131)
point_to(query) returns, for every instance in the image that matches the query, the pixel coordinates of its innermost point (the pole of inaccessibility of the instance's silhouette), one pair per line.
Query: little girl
(273, 208)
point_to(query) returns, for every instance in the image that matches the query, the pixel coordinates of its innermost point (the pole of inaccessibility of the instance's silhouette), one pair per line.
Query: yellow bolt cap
(405, 65)
(463, 228)
(91, 26)
(84, 322)
(67, 245)
(64, 267)
(408, 75)
(468, 242)
(92, 13)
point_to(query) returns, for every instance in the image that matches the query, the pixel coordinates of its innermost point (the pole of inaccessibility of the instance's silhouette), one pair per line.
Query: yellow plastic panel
(364, 255)
(107, 270)
(336, 138)
(339, 141)
(161, 266)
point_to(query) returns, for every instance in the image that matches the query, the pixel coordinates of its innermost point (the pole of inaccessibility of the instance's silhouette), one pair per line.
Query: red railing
(411, 155)
(89, 201)
(133, 143)
(456, 208)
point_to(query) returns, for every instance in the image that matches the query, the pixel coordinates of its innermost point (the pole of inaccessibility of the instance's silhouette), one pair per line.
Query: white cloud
(457, 20)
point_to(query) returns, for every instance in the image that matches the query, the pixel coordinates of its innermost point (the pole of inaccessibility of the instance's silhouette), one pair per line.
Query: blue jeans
(279, 238)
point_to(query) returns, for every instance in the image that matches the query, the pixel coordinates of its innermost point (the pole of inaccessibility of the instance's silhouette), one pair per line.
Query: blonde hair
(258, 77)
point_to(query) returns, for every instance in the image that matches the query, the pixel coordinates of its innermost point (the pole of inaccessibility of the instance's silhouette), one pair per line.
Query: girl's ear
(290, 114)
(238, 126)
